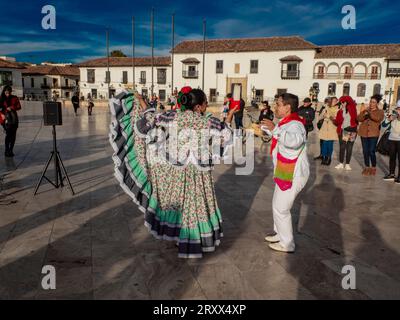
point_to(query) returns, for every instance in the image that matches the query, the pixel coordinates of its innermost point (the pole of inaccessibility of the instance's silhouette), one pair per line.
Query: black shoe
(8, 154)
(397, 181)
(318, 158)
(323, 162)
(389, 177)
(328, 161)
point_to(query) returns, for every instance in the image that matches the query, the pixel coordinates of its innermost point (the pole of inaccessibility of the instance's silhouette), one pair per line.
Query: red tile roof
(291, 58)
(190, 60)
(391, 51)
(126, 62)
(51, 70)
(245, 45)
(10, 64)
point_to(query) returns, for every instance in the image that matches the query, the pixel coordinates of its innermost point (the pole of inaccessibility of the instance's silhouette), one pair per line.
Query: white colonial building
(99, 84)
(47, 81)
(358, 70)
(254, 69)
(10, 74)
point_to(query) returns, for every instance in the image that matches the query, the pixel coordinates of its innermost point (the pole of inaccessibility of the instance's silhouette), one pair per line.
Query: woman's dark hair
(377, 97)
(229, 95)
(193, 98)
(3, 94)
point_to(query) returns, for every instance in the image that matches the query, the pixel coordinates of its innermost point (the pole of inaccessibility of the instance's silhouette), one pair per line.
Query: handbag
(11, 121)
(383, 144)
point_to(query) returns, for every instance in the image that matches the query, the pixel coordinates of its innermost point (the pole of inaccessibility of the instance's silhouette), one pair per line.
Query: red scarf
(291, 117)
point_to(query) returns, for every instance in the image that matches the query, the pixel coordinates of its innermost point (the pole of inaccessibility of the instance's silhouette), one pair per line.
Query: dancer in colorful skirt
(163, 162)
(291, 169)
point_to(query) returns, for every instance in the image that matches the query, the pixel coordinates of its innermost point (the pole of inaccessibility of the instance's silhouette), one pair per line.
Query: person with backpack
(9, 105)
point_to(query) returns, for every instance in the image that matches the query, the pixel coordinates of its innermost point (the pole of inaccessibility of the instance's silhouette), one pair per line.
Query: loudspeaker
(52, 113)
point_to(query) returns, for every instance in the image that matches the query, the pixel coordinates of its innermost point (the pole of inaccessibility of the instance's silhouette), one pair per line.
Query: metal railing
(190, 74)
(290, 75)
(357, 76)
(393, 72)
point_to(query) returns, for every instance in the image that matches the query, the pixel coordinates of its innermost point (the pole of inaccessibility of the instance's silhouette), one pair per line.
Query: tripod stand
(58, 167)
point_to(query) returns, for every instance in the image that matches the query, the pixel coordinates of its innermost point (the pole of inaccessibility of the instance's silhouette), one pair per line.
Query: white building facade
(10, 74)
(97, 83)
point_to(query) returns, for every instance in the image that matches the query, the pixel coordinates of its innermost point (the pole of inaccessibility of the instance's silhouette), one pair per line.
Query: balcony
(190, 74)
(56, 86)
(290, 75)
(354, 76)
(393, 72)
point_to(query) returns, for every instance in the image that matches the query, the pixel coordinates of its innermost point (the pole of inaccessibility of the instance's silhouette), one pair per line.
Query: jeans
(239, 121)
(394, 152)
(327, 148)
(369, 150)
(346, 148)
(11, 136)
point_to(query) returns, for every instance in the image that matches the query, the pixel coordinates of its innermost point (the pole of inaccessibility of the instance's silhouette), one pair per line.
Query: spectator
(328, 131)
(9, 105)
(346, 121)
(239, 114)
(307, 112)
(369, 131)
(75, 102)
(319, 125)
(266, 112)
(393, 121)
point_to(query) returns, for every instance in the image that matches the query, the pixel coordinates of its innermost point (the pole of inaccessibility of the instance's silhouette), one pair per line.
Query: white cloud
(31, 46)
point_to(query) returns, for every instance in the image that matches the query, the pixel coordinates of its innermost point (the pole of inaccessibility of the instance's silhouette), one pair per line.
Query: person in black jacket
(75, 103)
(307, 112)
(266, 112)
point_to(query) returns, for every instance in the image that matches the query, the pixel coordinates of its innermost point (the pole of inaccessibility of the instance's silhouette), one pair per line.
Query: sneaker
(340, 166)
(347, 168)
(278, 247)
(389, 177)
(272, 238)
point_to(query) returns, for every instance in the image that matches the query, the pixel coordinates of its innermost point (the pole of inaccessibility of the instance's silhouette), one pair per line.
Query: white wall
(268, 77)
(116, 80)
(16, 81)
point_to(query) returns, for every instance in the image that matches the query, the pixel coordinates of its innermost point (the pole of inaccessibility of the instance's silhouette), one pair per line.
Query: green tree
(117, 53)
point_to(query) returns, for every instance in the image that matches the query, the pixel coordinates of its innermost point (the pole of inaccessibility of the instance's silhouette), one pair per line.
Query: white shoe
(339, 166)
(278, 247)
(348, 168)
(272, 239)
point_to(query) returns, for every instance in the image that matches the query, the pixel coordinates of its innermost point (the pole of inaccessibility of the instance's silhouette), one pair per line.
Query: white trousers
(282, 203)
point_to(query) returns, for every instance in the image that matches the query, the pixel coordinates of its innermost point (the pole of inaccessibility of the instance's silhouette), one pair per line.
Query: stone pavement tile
(71, 284)
(369, 280)
(224, 282)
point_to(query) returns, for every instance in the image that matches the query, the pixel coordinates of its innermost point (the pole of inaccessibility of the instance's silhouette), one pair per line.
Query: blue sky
(81, 25)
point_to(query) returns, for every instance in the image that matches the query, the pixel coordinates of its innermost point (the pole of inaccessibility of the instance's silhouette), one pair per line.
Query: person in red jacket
(346, 120)
(9, 104)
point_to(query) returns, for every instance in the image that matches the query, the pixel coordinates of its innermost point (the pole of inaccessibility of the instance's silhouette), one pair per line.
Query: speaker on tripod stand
(52, 116)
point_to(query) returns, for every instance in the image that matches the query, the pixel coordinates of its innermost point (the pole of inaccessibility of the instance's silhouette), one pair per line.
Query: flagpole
(152, 51)
(172, 54)
(204, 51)
(133, 53)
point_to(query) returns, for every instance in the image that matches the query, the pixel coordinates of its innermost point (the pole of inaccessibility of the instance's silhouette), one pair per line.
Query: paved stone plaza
(100, 248)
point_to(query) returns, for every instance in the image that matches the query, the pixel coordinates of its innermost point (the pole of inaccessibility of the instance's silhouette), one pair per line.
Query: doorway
(236, 90)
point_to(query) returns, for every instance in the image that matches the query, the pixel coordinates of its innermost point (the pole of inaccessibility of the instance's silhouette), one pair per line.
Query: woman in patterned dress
(163, 164)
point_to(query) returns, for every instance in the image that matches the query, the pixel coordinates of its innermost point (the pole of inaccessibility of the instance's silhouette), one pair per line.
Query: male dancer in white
(291, 168)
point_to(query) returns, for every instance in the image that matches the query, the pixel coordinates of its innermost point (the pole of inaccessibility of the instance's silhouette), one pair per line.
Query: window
(347, 72)
(213, 95)
(281, 91)
(161, 76)
(5, 78)
(45, 81)
(142, 77)
(94, 93)
(361, 88)
(253, 66)
(108, 77)
(321, 71)
(125, 77)
(161, 95)
(66, 82)
(237, 67)
(332, 89)
(90, 76)
(32, 82)
(377, 89)
(67, 94)
(145, 92)
(291, 72)
(219, 66)
(259, 95)
(374, 72)
(55, 83)
(346, 89)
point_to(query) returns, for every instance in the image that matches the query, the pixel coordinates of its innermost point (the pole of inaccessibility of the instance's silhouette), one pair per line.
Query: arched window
(377, 89)
(361, 90)
(346, 89)
(332, 89)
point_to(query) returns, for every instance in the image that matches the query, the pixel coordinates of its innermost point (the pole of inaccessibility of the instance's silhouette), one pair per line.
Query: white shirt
(292, 139)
